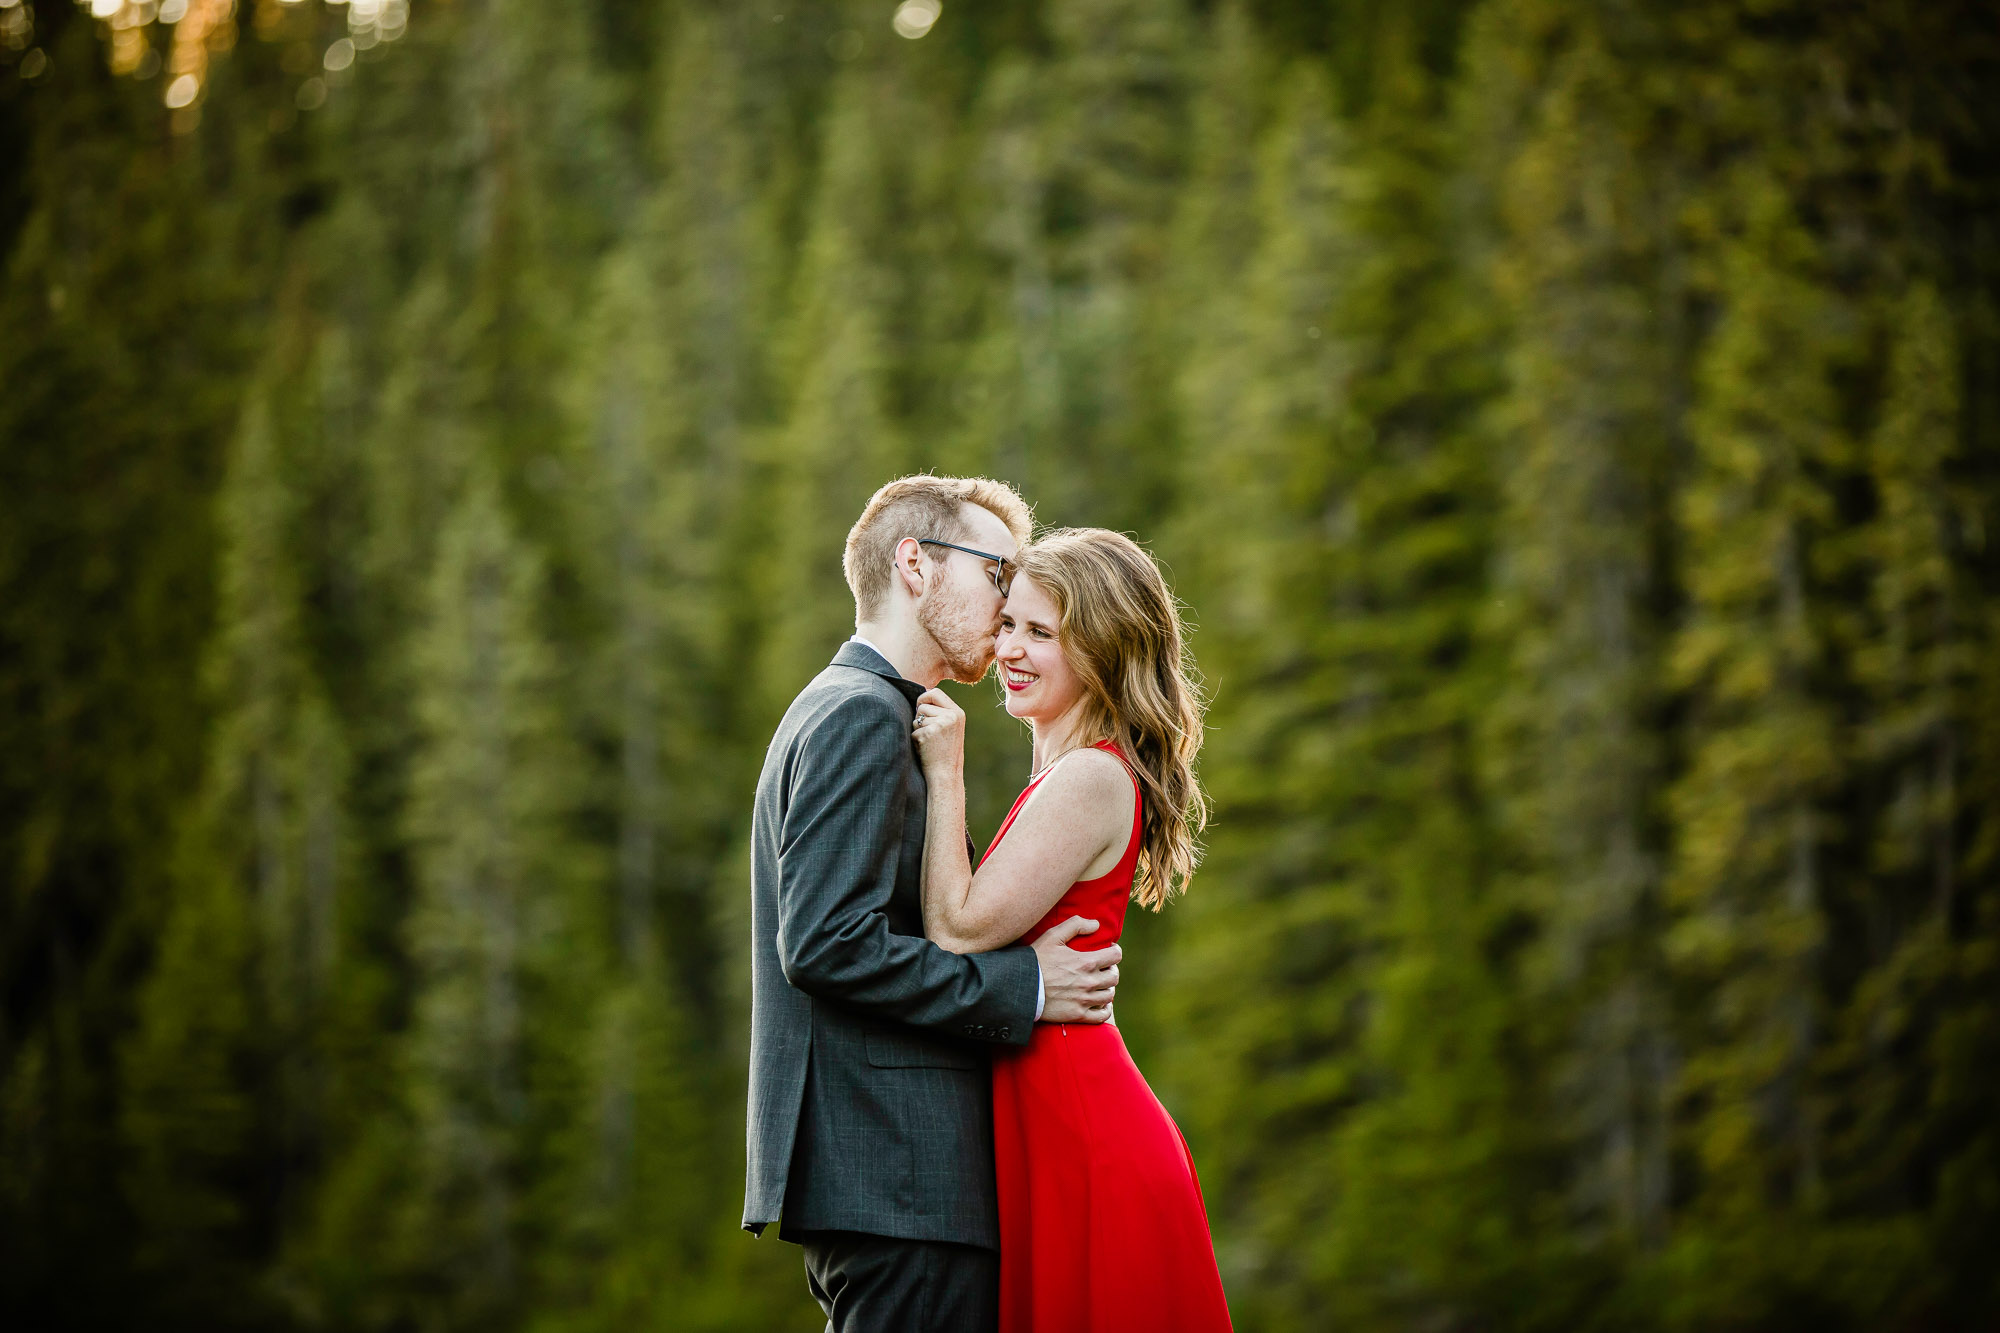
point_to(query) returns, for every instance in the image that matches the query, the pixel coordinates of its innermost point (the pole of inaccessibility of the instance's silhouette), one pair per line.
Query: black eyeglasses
(1002, 572)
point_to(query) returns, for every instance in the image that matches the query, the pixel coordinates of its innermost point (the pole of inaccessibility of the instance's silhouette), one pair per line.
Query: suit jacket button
(1004, 1033)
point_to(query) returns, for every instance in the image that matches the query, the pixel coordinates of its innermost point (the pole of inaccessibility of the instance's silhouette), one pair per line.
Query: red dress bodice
(1102, 899)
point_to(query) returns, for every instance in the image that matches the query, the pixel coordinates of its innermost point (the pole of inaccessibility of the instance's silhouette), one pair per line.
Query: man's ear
(909, 566)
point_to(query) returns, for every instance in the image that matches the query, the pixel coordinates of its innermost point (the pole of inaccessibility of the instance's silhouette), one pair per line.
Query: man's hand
(1076, 987)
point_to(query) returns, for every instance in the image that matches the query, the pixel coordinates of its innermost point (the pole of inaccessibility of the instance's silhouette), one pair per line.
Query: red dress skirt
(1102, 1226)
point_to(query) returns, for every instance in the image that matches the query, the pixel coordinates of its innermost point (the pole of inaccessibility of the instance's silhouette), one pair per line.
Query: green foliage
(1571, 425)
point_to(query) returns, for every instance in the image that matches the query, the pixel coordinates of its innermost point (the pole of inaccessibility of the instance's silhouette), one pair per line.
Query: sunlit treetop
(173, 41)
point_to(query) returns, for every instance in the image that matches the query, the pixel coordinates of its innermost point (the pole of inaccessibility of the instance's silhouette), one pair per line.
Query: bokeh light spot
(340, 55)
(914, 18)
(182, 91)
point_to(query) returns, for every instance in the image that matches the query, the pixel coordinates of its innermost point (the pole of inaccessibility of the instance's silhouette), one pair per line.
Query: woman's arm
(947, 864)
(828, 869)
(1079, 816)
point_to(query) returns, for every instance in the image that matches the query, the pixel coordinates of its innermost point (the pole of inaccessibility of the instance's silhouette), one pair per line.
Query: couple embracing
(941, 1112)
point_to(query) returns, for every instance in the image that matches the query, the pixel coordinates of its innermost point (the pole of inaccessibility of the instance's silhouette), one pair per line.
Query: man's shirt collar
(858, 652)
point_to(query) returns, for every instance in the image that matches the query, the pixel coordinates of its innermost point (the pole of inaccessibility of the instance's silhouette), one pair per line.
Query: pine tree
(228, 1070)
(1214, 241)
(1452, 1113)
(127, 350)
(1918, 657)
(1341, 445)
(1011, 383)
(661, 393)
(500, 934)
(1586, 268)
(1752, 880)
(1117, 96)
(841, 439)
(665, 394)
(1274, 895)
(1889, 1066)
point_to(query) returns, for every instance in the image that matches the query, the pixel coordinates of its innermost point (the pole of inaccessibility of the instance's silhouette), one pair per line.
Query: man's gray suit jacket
(870, 1082)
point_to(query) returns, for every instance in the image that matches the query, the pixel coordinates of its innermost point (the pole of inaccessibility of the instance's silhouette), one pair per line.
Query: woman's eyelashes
(1007, 626)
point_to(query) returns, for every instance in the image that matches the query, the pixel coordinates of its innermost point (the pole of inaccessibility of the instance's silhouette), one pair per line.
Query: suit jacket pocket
(899, 1051)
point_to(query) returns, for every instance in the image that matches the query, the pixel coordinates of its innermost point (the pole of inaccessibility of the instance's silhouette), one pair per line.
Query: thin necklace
(1036, 776)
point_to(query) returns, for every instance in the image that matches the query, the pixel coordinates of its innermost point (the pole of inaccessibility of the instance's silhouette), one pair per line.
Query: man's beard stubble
(965, 645)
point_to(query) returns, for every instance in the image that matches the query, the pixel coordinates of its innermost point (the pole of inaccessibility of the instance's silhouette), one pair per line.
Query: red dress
(1102, 1226)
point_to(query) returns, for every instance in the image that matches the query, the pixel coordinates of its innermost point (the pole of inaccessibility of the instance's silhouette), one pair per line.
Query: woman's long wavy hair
(1120, 632)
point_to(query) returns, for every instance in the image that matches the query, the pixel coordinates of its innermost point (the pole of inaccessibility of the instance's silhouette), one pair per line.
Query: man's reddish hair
(922, 506)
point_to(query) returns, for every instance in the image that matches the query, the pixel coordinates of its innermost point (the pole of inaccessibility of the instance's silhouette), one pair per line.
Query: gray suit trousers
(883, 1284)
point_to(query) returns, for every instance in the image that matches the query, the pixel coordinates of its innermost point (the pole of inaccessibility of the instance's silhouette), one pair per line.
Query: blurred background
(427, 431)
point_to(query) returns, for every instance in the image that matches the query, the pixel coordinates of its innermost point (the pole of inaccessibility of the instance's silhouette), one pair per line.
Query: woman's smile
(1016, 679)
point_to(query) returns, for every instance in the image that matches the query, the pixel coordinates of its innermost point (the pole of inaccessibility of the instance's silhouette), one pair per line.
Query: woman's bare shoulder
(1087, 780)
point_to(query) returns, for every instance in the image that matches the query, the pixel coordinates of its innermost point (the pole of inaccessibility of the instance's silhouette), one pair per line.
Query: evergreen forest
(427, 433)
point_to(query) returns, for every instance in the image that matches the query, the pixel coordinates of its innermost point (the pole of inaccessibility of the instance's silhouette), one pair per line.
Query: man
(870, 1124)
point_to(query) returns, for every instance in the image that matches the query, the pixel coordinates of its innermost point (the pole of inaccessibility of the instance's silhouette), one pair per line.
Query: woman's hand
(940, 733)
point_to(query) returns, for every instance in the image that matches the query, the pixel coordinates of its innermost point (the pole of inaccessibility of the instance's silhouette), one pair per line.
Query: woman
(1101, 1218)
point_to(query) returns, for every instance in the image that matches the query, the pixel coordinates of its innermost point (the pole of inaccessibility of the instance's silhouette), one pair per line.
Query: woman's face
(1039, 683)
